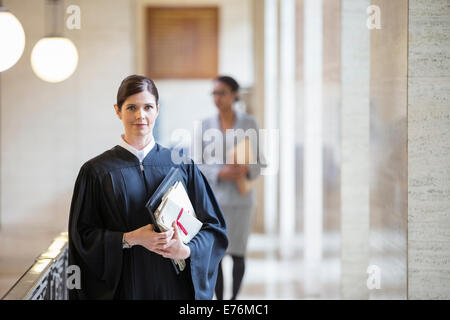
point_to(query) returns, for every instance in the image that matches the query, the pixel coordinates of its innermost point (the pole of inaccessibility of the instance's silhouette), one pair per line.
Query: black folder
(153, 203)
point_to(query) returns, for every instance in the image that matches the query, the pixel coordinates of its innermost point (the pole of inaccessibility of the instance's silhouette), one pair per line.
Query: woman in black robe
(111, 239)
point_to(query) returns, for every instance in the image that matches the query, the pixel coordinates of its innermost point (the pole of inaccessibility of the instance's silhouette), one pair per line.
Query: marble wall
(409, 154)
(429, 150)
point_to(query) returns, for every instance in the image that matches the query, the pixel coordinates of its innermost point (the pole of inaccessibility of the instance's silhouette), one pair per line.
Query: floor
(271, 276)
(268, 274)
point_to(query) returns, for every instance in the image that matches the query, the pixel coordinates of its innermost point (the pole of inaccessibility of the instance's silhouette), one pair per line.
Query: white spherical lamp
(12, 40)
(54, 59)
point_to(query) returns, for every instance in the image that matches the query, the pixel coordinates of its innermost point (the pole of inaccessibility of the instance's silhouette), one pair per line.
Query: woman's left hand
(176, 249)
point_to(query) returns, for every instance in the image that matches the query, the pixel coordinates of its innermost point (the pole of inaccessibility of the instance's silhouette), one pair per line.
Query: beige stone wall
(428, 150)
(49, 130)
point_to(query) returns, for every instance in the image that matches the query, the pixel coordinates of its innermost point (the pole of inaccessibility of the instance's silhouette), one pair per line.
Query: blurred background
(357, 89)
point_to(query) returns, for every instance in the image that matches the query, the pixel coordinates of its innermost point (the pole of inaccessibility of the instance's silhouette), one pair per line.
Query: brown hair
(134, 84)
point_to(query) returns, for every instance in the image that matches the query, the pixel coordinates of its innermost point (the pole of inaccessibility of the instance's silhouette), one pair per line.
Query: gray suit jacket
(226, 191)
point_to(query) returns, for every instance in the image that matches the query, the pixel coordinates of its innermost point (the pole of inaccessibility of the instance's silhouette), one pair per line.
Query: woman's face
(223, 96)
(138, 114)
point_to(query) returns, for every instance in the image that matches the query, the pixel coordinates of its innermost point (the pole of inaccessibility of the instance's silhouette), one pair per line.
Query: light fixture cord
(57, 16)
(1, 170)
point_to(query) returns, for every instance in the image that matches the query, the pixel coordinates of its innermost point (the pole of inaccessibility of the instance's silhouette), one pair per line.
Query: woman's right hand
(147, 237)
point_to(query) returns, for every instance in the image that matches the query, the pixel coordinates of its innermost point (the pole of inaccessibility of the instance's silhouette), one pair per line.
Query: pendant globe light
(54, 58)
(12, 39)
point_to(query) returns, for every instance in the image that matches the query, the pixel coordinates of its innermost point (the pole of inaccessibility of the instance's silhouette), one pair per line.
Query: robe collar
(140, 154)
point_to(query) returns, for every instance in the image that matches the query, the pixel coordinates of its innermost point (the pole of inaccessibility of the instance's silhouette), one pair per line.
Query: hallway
(350, 98)
(271, 277)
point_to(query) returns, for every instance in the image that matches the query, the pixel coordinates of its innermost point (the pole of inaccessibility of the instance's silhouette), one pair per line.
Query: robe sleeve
(93, 248)
(209, 245)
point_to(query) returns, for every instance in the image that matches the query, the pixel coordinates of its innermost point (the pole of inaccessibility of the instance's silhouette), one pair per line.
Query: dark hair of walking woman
(231, 83)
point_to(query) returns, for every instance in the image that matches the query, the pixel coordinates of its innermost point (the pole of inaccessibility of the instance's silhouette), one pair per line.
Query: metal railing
(46, 278)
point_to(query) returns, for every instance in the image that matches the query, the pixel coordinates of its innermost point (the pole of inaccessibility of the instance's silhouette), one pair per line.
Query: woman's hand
(233, 172)
(242, 169)
(176, 249)
(147, 237)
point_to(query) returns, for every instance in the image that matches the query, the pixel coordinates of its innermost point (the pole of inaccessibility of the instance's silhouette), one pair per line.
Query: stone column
(313, 143)
(355, 115)
(271, 43)
(388, 139)
(429, 150)
(287, 125)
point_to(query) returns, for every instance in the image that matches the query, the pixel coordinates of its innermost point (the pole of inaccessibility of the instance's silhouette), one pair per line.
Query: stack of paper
(176, 206)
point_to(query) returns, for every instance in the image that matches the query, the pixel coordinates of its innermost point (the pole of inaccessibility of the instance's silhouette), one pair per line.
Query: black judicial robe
(109, 199)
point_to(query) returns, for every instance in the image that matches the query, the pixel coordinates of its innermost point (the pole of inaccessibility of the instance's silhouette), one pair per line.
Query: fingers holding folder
(176, 211)
(176, 249)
